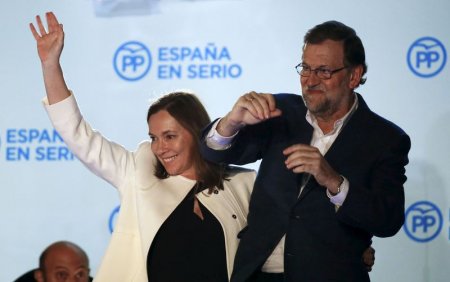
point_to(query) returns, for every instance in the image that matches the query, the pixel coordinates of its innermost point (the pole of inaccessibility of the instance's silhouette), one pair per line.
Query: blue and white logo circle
(426, 57)
(132, 61)
(113, 218)
(423, 221)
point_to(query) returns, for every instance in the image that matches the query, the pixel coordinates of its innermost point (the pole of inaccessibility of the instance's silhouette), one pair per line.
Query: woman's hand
(49, 43)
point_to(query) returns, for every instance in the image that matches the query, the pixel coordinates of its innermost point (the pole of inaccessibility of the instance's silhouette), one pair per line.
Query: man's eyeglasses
(321, 72)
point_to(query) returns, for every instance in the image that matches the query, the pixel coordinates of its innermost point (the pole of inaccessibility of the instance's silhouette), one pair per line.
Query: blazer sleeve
(104, 158)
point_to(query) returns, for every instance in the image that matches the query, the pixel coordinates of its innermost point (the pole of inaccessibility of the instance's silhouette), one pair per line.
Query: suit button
(295, 216)
(234, 216)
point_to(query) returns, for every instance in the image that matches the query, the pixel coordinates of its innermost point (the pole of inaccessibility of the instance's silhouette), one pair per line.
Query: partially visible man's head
(63, 261)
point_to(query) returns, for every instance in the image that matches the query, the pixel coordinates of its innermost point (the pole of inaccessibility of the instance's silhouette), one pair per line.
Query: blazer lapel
(156, 203)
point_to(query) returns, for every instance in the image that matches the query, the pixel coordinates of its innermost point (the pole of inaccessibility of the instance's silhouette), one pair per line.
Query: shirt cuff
(216, 141)
(339, 198)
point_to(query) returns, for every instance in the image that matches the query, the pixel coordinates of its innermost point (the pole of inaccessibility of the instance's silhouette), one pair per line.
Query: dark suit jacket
(321, 244)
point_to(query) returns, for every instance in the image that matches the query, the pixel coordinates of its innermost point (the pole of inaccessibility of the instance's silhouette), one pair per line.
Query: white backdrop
(220, 50)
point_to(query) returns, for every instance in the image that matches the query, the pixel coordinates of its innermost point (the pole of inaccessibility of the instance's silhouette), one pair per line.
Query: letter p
(426, 57)
(423, 222)
(132, 61)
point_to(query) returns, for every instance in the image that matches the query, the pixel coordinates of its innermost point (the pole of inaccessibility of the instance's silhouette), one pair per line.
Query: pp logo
(113, 218)
(423, 221)
(426, 57)
(132, 61)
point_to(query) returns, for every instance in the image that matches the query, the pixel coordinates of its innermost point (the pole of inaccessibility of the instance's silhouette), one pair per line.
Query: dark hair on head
(354, 53)
(67, 244)
(189, 112)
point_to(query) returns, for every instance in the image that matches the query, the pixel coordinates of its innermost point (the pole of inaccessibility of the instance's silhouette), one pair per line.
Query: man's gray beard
(322, 110)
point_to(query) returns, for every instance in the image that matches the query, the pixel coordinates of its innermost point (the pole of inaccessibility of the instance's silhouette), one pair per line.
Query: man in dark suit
(331, 173)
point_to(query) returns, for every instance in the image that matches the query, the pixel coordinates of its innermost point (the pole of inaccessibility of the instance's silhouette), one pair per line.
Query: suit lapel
(347, 139)
(301, 133)
(350, 136)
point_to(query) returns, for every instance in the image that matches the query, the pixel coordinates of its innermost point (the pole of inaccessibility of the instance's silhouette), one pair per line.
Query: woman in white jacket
(180, 215)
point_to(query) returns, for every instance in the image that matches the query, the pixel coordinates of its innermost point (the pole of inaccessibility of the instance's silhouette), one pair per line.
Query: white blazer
(145, 201)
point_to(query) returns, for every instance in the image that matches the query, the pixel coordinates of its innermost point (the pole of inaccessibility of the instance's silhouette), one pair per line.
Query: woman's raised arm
(50, 44)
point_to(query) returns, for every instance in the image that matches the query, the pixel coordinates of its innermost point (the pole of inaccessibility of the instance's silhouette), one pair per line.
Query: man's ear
(355, 76)
(39, 275)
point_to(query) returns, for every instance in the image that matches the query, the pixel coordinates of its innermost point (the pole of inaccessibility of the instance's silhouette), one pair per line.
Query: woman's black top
(187, 248)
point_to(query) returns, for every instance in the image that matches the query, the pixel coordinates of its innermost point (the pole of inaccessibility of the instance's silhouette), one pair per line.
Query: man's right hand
(250, 108)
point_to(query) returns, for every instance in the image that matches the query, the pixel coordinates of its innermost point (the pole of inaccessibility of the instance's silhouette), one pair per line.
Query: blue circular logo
(113, 218)
(132, 61)
(423, 221)
(426, 57)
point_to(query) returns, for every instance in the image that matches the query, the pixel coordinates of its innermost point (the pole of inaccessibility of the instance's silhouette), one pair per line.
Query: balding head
(63, 261)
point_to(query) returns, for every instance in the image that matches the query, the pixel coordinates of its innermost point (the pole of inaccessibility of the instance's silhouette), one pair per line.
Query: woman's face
(172, 144)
